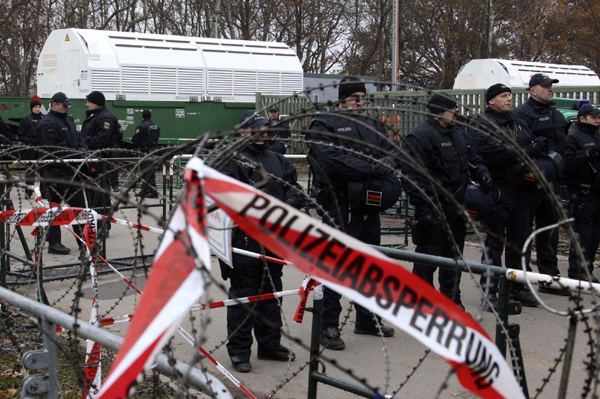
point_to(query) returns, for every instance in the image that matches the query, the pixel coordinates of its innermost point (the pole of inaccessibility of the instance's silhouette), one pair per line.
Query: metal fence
(402, 111)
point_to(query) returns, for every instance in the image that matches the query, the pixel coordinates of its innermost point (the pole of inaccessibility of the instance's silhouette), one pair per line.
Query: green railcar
(177, 120)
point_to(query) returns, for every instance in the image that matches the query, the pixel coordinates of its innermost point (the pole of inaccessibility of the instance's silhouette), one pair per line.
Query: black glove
(385, 166)
(486, 184)
(538, 147)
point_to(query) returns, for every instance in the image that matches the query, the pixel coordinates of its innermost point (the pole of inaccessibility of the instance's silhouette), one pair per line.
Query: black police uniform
(248, 276)
(279, 136)
(145, 140)
(335, 162)
(581, 170)
(27, 133)
(3, 128)
(56, 132)
(28, 128)
(102, 131)
(447, 157)
(543, 120)
(495, 138)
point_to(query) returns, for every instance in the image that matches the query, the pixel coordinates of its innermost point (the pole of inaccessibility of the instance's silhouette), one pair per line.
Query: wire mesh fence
(543, 351)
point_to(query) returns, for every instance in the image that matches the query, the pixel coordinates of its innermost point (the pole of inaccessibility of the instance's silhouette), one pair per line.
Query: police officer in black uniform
(544, 121)
(496, 136)
(439, 152)
(27, 133)
(582, 166)
(145, 140)
(337, 163)
(56, 133)
(279, 134)
(102, 131)
(251, 276)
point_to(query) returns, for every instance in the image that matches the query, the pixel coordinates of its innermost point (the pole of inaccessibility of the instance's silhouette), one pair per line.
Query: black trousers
(249, 277)
(59, 192)
(541, 211)
(510, 222)
(587, 226)
(439, 243)
(240, 322)
(366, 228)
(148, 178)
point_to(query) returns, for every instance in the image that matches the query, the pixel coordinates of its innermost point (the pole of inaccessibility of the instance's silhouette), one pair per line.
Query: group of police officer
(100, 133)
(351, 154)
(352, 157)
(440, 160)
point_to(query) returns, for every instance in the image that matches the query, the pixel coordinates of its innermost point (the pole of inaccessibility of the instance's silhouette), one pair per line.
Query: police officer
(496, 137)
(56, 132)
(102, 131)
(582, 166)
(279, 133)
(145, 140)
(337, 162)
(27, 134)
(438, 153)
(548, 124)
(251, 276)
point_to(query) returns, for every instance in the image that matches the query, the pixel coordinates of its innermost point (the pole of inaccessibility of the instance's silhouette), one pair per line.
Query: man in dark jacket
(57, 135)
(497, 137)
(102, 131)
(438, 154)
(251, 276)
(145, 140)
(582, 166)
(27, 134)
(347, 148)
(279, 134)
(544, 121)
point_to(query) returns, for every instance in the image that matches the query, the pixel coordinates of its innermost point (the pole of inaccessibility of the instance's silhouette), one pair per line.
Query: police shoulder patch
(107, 125)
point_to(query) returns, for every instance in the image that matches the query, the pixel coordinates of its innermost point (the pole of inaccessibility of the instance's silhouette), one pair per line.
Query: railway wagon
(193, 85)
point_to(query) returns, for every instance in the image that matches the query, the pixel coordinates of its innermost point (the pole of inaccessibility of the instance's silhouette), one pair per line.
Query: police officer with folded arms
(350, 152)
(440, 154)
(548, 127)
(57, 135)
(145, 140)
(250, 276)
(497, 138)
(27, 134)
(582, 166)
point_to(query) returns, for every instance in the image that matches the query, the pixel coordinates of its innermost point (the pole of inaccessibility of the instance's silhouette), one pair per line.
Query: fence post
(47, 382)
(3, 257)
(315, 341)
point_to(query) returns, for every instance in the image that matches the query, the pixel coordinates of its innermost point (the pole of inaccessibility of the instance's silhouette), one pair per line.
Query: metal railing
(190, 376)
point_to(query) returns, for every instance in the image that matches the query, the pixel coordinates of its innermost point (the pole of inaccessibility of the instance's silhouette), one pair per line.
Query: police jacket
(101, 129)
(543, 120)
(3, 128)
(146, 136)
(283, 183)
(495, 136)
(28, 127)
(346, 155)
(579, 165)
(58, 130)
(446, 156)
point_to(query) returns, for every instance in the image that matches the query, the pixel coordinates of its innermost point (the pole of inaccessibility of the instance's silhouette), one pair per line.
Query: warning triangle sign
(67, 38)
